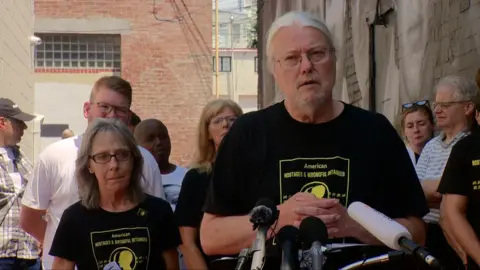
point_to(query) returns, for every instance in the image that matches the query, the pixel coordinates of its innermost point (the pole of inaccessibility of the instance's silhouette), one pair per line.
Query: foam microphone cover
(313, 229)
(385, 229)
(264, 212)
(288, 233)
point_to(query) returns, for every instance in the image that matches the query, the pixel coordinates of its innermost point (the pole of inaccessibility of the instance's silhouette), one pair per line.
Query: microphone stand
(258, 248)
(318, 258)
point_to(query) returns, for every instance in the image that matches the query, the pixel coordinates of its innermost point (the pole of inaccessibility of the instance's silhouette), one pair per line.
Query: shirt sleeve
(192, 197)
(38, 192)
(229, 182)
(151, 174)
(65, 235)
(170, 235)
(456, 178)
(403, 194)
(422, 163)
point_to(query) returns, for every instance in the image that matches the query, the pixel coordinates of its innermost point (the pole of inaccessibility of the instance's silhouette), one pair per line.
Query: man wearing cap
(18, 250)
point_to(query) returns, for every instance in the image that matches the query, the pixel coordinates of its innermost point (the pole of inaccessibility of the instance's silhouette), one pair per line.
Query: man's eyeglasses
(104, 158)
(448, 104)
(318, 56)
(107, 108)
(219, 120)
(419, 103)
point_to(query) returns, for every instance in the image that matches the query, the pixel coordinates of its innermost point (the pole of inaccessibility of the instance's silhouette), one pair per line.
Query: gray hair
(88, 188)
(301, 18)
(465, 89)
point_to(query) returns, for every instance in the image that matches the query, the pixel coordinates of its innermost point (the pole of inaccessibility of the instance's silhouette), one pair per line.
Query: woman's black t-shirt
(193, 194)
(134, 239)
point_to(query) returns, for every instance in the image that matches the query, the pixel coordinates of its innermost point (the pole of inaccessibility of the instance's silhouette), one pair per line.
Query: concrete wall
(66, 109)
(168, 61)
(16, 70)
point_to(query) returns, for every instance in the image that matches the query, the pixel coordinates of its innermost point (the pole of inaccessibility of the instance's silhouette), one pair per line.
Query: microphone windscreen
(267, 203)
(382, 227)
(313, 229)
(288, 233)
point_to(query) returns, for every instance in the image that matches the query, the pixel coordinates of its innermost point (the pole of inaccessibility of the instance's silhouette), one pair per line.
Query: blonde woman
(115, 225)
(215, 121)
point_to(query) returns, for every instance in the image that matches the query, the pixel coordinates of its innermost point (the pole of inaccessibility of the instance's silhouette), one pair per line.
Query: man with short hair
(53, 187)
(310, 154)
(152, 134)
(18, 250)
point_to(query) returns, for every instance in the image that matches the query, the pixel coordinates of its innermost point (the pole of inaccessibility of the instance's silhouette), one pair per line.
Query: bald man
(67, 133)
(153, 135)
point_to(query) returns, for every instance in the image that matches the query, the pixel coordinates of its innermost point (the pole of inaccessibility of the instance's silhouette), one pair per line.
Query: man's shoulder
(61, 149)
(147, 156)
(471, 142)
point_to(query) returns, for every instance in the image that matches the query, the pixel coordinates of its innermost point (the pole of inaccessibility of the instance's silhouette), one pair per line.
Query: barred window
(78, 51)
(225, 64)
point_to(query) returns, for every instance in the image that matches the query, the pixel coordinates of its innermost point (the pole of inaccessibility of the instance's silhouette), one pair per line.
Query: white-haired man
(53, 187)
(311, 154)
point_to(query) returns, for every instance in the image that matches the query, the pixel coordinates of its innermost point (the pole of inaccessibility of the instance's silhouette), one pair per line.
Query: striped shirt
(432, 162)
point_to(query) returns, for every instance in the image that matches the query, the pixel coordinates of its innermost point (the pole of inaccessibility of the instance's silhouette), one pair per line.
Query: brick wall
(455, 33)
(167, 62)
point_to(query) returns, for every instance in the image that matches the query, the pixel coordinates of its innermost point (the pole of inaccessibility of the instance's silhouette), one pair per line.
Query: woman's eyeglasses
(419, 103)
(104, 158)
(219, 120)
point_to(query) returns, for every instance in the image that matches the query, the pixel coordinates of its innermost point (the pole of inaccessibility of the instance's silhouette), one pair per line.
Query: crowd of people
(111, 198)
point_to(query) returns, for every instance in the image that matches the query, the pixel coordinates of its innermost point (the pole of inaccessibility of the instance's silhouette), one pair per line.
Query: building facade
(16, 65)
(389, 55)
(163, 49)
(238, 74)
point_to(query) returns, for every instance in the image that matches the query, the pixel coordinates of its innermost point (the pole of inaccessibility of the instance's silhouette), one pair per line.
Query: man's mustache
(308, 79)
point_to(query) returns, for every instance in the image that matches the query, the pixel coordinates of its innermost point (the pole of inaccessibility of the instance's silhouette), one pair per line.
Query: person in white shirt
(153, 135)
(53, 187)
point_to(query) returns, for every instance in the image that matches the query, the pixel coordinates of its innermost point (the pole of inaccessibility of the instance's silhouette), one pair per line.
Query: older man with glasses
(310, 154)
(454, 113)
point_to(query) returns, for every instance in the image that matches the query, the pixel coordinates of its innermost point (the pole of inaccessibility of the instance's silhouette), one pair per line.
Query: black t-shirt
(462, 176)
(134, 239)
(357, 156)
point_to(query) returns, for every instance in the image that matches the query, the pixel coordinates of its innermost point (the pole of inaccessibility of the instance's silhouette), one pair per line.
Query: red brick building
(163, 49)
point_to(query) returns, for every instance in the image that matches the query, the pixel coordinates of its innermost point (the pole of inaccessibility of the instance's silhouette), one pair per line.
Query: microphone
(389, 232)
(288, 239)
(262, 216)
(313, 232)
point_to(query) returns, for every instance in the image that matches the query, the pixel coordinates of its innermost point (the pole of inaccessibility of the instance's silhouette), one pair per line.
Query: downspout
(380, 19)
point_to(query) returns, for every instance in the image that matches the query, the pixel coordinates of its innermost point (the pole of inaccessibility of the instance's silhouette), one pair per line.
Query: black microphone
(262, 216)
(313, 233)
(419, 251)
(288, 240)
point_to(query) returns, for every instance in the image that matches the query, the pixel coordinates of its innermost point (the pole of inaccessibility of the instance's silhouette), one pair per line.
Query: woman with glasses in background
(215, 121)
(115, 225)
(417, 127)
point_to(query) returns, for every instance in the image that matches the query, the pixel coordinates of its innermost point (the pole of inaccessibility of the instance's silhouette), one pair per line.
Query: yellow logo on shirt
(476, 162)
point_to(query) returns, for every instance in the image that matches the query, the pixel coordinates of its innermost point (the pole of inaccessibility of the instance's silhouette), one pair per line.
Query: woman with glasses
(215, 121)
(417, 127)
(115, 225)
